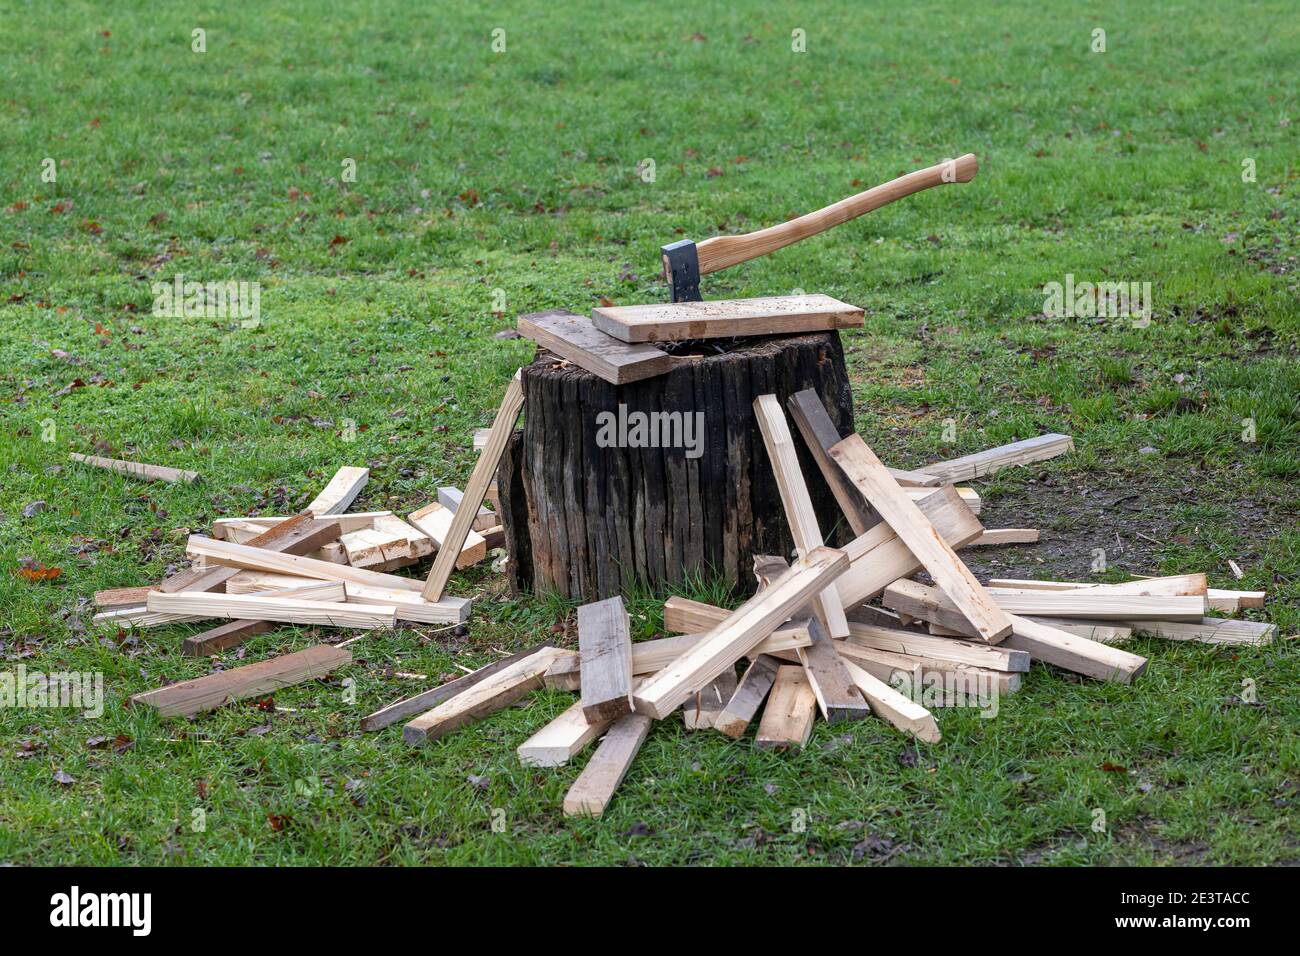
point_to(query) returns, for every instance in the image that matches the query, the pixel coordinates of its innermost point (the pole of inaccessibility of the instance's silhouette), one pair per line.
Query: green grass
(479, 171)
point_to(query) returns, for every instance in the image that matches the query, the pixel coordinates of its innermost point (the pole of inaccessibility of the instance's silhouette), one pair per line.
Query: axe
(685, 260)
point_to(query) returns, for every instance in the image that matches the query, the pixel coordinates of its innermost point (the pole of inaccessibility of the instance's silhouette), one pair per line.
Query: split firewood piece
(450, 498)
(837, 696)
(301, 534)
(648, 657)
(436, 521)
(1217, 599)
(1091, 603)
(791, 709)
(488, 696)
(222, 527)
(409, 605)
(139, 616)
(969, 653)
(450, 610)
(819, 434)
(798, 505)
(247, 557)
(997, 536)
(595, 786)
(750, 693)
(880, 557)
(961, 683)
(1173, 585)
(1105, 632)
(575, 338)
(739, 634)
(223, 637)
(702, 709)
(235, 632)
(562, 738)
(1209, 630)
(695, 618)
(892, 707)
(449, 549)
(258, 607)
(116, 598)
(370, 546)
(605, 653)
(1047, 644)
(135, 469)
(968, 495)
(1004, 456)
(865, 470)
(341, 491)
(214, 690)
(427, 700)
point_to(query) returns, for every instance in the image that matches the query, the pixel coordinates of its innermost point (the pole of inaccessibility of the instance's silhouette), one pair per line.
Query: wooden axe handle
(721, 252)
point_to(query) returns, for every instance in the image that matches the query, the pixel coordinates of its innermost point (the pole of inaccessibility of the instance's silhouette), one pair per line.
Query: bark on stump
(589, 522)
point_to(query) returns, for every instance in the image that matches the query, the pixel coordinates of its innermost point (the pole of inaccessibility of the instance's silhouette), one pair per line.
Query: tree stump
(590, 511)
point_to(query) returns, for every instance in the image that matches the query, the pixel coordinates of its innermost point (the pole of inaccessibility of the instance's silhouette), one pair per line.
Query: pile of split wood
(841, 632)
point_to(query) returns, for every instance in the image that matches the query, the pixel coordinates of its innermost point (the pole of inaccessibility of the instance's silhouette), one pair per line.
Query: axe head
(682, 270)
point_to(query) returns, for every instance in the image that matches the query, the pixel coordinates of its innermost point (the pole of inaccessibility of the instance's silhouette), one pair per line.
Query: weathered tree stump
(590, 511)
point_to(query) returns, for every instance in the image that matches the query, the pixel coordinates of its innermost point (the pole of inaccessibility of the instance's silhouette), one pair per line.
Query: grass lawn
(493, 183)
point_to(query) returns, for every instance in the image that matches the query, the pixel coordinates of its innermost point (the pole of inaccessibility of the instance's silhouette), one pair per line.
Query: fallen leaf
(39, 572)
(64, 778)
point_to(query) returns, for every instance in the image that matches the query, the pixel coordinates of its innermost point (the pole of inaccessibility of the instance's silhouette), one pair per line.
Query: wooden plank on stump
(213, 690)
(484, 470)
(595, 786)
(605, 656)
(791, 709)
(726, 318)
(865, 470)
(488, 696)
(575, 338)
(739, 634)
